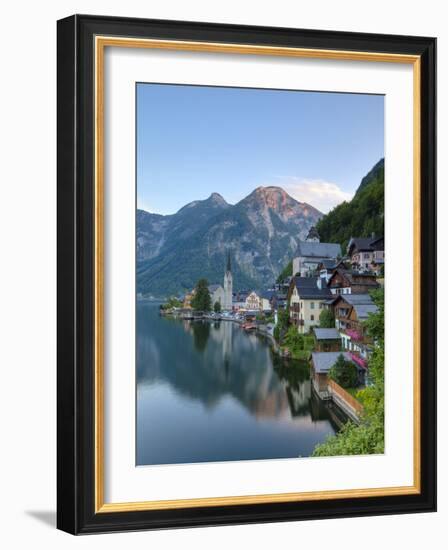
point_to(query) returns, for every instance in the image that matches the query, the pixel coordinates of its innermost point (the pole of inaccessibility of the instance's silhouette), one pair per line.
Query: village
(318, 313)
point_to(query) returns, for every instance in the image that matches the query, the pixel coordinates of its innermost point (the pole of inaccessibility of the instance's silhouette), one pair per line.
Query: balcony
(355, 335)
(360, 361)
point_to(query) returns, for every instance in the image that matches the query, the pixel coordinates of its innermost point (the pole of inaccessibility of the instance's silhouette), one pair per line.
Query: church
(223, 294)
(311, 252)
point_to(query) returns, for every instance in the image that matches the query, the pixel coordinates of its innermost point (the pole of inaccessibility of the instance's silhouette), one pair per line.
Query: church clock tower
(228, 285)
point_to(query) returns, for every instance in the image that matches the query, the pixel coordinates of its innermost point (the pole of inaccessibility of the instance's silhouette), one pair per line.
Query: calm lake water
(210, 391)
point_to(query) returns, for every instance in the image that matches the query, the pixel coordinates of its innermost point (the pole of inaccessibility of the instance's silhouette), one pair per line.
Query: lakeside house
(351, 311)
(344, 281)
(187, 299)
(321, 363)
(253, 302)
(239, 299)
(327, 339)
(326, 388)
(267, 298)
(311, 252)
(306, 300)
(367, 254)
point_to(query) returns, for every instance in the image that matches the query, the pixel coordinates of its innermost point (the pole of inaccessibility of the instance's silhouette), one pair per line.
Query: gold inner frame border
(100, 43)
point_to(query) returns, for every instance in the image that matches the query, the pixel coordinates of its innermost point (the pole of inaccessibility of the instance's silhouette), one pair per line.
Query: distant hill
(361, 216)
(261, 233)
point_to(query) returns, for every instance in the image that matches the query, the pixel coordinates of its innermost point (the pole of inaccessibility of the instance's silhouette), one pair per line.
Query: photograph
(260, 274)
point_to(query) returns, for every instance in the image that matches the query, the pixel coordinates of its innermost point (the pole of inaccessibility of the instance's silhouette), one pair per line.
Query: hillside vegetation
(361, 216)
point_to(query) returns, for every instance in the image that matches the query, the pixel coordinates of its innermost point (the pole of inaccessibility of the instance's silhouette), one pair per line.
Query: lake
(209, 391)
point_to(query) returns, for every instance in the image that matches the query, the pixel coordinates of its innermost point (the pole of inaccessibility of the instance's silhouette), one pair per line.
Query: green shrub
(326, 319)
(344, 373)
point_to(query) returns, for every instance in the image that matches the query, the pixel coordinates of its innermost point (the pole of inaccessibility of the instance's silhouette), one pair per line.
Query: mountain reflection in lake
(211, 392)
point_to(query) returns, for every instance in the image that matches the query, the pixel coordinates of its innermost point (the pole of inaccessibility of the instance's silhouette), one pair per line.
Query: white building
(253, 302)
(311, 252)
(216, 294)
(228, 286)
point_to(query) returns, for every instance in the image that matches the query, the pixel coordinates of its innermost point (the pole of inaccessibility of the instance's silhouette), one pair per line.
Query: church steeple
(313, 235)
(229, 266)
(228, 285)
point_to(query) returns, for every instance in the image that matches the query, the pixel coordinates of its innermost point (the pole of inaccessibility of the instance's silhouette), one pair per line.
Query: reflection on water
(211, 392)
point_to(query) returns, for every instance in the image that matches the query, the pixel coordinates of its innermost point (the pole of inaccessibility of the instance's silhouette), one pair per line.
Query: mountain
(361, 216)
(261, 233)
(376, 173)
(156, 233)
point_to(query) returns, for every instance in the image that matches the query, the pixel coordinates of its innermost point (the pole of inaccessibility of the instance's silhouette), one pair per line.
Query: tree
(217, 307)
(368, 437)
(344, 373)
(293, 340)
(201, 300)
(361, 216)
(282, 323)
(326, 319)
(171, 303)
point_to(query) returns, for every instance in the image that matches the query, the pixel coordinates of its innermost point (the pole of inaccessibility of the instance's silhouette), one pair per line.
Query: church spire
(229, 267)
(228, 285)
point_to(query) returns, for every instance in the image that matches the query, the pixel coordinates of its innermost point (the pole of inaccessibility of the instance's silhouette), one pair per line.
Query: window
(366, 255)
(312, 305)
(321, 305)
(312, 317)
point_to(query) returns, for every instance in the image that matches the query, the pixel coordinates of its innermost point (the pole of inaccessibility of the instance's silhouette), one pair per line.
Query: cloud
(323, 195)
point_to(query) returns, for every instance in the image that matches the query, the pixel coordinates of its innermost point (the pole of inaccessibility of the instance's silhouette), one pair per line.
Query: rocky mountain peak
(262, 232)
(217, 199)
(271, 196)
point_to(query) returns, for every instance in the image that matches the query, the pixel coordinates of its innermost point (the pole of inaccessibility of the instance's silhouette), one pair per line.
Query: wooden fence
(346, 397)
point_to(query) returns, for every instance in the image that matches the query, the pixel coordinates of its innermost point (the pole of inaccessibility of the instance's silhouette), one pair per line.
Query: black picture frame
(76, 262)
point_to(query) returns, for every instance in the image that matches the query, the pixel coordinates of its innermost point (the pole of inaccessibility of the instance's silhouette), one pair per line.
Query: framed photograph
(246, 274)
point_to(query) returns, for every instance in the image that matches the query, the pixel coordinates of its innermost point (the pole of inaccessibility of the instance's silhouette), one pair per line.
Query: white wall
(27, 275)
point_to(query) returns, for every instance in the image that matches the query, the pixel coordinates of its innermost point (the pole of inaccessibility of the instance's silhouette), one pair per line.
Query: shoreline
(339, 402)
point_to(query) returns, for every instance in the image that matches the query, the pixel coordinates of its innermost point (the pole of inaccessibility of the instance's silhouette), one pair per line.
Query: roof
(317, 293)
(327, 334)
(305, 282)
(361, 243)
(268, 294)
(241, 294)
(213, 288)
(366, 243)
(377, 243)
(363, 310)
(318, 250)
(324, 360)
(329, 263)
(357, 299)
(308, 289)
(355, 278)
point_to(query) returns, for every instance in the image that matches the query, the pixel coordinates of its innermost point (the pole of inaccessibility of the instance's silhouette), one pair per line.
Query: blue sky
(195, 140)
